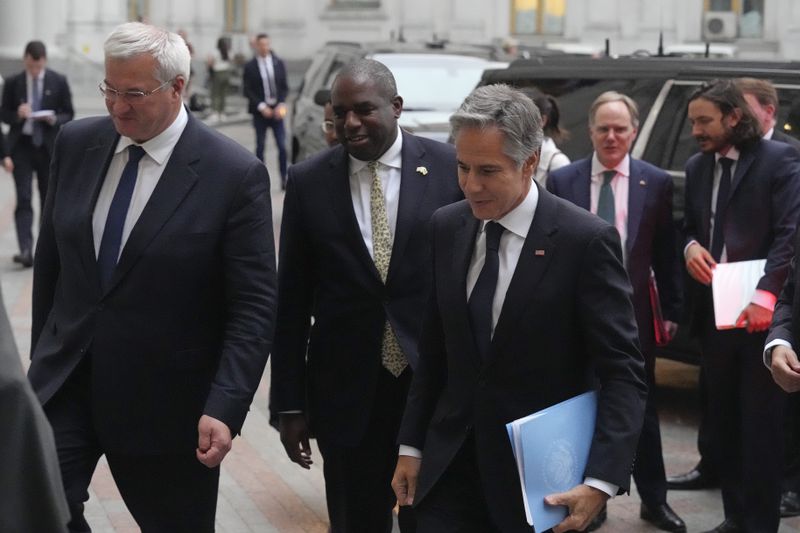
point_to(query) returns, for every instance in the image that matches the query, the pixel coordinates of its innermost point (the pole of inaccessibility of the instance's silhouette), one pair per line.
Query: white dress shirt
(517, 222)
(389, 170)
(620, 185)
(267, 71)
(151, 166)
(27, 128)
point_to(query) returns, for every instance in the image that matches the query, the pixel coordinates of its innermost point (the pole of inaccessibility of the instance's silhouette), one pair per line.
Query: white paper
(733, 285)
(43, 113)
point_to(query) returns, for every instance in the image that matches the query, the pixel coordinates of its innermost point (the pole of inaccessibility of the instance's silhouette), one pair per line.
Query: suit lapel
(463, 245)
(706, 186)
(637, 196)
(412, 192)
(175, 183)
(581, 186)
(536, 254)
(342, 203)
(746, 158)
(93, 170)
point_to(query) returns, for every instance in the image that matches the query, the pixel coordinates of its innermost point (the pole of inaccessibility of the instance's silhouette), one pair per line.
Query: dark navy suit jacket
(253, 84)
(651, 238)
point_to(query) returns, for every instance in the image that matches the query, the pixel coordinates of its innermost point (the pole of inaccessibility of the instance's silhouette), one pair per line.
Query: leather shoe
(598, 520)
(24, 258)
(694, 479)
(790, 504)
(663, 517)
(728, 526)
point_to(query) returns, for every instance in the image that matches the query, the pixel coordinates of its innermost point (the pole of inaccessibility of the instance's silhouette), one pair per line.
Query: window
(235, 16)
(749, 14)
(538, 17)
(138, 10)
(355, 3)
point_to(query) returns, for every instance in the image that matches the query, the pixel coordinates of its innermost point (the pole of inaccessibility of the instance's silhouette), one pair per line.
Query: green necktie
(605, 203)
(392, 356)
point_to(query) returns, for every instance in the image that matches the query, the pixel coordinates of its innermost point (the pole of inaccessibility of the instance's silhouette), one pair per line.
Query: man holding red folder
(530, 306)
(742, 203)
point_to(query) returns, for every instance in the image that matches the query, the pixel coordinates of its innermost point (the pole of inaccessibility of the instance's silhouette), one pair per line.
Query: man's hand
(699, 263)
(404, 481)
(8, 164)
(583, 502)
(24, 111)
(671, 329)
(294, 436)
(754, 318)
(214, 441)
(266, 111)
(785, 368)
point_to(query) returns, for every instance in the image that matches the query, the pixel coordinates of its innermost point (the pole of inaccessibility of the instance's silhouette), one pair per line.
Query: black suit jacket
(253, 85)
(186, 326)
(761, 215)
(779, 136)
(786, 320)
(56, 96)
(651, 235)
(567, 324)
(330, 370)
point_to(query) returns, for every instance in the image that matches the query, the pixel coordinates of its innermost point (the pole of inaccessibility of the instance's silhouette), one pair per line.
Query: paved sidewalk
(261, 491)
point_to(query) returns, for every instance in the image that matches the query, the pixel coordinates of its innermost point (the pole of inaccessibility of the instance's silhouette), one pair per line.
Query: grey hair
(614, 96)
(168, 49)
(513, 113)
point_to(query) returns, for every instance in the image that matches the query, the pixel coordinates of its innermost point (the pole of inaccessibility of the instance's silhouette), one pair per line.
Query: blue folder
(551, 448)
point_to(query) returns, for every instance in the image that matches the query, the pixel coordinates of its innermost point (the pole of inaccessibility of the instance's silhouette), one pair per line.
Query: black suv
(661, 87)
(433, 79)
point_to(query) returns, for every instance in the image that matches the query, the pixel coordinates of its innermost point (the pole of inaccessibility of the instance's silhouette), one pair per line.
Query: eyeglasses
(129, 97)
(327, 126)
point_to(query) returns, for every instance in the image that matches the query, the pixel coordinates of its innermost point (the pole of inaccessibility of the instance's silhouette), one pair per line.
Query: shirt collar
(519, 219)
(40, 77)
(733, 153)
(393, 157)
(623, 168)
(160, 147)
(770, 133)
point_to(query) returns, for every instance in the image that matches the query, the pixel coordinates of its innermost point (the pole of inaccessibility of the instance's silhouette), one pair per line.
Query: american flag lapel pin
(642, 183)
(538, 252)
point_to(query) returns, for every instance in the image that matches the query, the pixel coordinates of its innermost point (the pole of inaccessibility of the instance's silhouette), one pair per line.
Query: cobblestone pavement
(261, 491)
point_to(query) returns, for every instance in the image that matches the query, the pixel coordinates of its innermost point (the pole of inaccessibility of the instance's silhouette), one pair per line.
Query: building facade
(75, 29)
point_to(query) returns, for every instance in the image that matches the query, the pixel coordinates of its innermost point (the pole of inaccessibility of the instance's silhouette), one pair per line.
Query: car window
(671, 142)
(434, 82)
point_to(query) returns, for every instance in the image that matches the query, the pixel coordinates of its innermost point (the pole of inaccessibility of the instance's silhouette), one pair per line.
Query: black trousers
(278, 128)
(456, 503)
(28, 159)
(648, 470)
(745, 426)
(358, 478)
(171, 493)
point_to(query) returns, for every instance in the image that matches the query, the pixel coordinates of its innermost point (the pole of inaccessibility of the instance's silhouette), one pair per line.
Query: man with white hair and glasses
(154, 287)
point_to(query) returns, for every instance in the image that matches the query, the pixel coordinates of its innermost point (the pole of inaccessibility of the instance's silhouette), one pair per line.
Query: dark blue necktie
(36, 104)
(482, 297)
(112, 234)
(723, 193)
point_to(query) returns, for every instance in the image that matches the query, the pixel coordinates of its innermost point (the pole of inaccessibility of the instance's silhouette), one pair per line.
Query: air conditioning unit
(719, 25)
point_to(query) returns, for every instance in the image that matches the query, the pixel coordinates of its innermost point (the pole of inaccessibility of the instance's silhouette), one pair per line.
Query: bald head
(369, 70)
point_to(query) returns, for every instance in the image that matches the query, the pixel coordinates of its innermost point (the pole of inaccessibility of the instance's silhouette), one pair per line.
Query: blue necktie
(718, 239)
(112, 234)
(605, 203)
(36, 104)
(482, 297)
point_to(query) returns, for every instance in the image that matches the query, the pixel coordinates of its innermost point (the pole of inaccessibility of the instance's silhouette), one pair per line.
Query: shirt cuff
(686, 248)
(261, 106)
(605, 486)
(410, 451)
(768, 350)
(765, 299)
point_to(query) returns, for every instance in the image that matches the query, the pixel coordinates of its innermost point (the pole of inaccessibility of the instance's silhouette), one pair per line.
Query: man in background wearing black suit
(153, 291)
(636, 198)
(355, 257)
(266, 87)
(531, 305)
(36, 102)
(742, 203)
